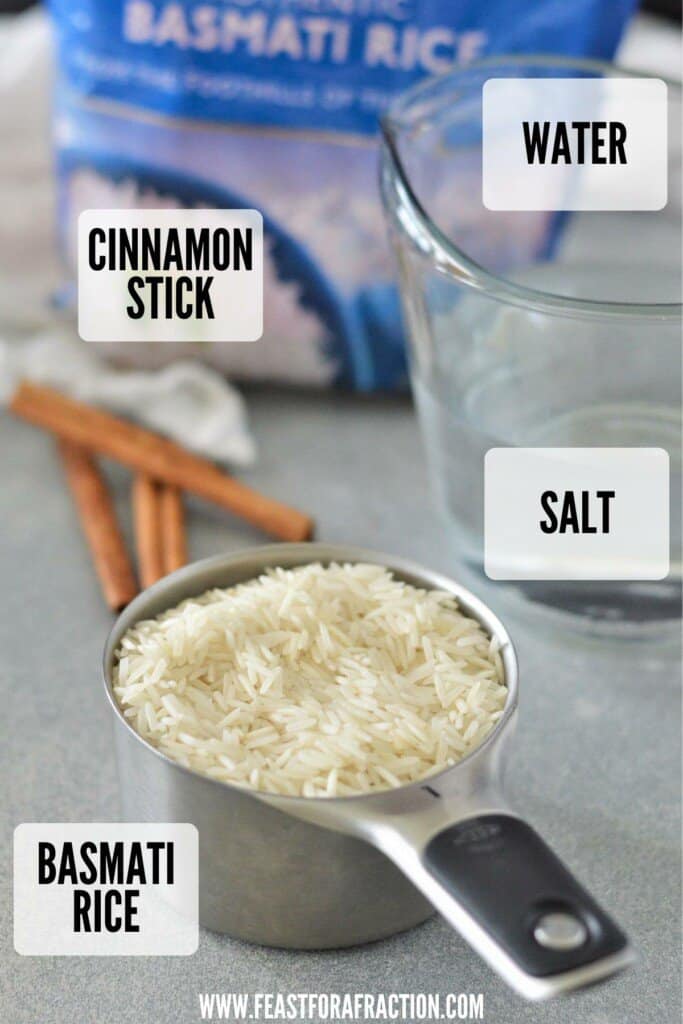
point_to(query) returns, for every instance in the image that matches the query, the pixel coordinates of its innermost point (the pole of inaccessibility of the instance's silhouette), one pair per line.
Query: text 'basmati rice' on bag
(274, 105)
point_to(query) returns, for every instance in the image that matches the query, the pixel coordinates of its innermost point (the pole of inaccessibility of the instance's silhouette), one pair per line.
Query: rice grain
(317, 681)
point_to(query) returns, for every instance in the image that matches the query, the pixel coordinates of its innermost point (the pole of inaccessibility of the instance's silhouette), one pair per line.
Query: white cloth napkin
(187, 401)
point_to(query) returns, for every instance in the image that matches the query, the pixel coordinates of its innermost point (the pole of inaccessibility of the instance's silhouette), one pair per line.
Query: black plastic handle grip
(503, 874)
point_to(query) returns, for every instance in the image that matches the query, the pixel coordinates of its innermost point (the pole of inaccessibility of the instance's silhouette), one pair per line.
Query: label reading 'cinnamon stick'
(170, 275)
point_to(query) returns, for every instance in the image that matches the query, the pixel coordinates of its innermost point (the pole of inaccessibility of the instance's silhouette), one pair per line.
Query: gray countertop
(596, 764)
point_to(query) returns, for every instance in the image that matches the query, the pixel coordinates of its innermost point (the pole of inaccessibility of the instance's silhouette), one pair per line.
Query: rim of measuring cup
(172, 589)
(451, 257)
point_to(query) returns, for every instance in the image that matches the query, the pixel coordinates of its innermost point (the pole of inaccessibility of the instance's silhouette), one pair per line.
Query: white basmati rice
(315, 681)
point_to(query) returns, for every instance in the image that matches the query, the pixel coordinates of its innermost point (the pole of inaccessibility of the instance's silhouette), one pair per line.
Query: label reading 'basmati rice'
(105, 889)
(315, 681)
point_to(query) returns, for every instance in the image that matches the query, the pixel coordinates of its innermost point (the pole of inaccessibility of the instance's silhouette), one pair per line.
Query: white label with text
(170, 275)
(105, 889)
(576, 513)
(574, 144)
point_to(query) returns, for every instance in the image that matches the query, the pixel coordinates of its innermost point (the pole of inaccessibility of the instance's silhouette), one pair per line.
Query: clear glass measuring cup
(533, 329)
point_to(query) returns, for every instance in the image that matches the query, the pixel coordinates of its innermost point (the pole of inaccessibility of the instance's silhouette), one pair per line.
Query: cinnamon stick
(147, 524)
(173, 538)
(101, 528)
(160, 458)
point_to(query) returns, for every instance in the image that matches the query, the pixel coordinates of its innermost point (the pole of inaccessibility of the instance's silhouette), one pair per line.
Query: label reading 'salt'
(105, 889)
(170, 275)
(576, 513)
(574, 144)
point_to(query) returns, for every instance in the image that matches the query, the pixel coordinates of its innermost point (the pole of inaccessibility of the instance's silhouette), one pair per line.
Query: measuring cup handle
(511, 896)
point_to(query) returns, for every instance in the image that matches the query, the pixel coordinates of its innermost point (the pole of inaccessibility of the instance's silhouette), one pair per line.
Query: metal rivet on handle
(560, 931)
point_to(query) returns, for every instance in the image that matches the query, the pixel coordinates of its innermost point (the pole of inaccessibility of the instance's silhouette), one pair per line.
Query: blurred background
(129, 104)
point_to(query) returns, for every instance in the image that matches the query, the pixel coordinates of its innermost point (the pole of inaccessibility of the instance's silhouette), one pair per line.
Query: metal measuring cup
(302, 872)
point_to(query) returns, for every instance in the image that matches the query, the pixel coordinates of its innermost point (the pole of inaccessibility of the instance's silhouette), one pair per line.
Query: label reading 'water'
(574, 144)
